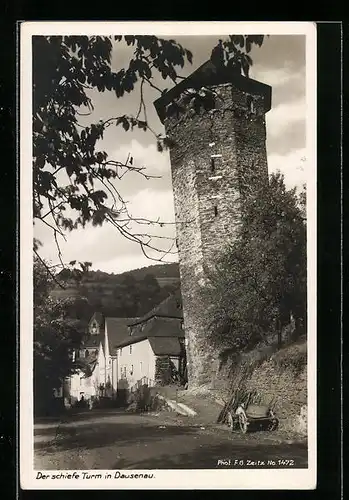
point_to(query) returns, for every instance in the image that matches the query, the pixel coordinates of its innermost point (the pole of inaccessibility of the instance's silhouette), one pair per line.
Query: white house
(139, 355)
(100, 356)
(122, 353)
(155, 344)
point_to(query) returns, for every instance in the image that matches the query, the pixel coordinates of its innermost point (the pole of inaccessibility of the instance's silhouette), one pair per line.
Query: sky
(280, 62)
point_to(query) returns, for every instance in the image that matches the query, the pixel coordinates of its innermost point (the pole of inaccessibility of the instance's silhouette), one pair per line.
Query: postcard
(168, 255)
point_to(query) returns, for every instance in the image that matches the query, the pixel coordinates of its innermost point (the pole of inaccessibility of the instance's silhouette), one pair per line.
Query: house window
(215, 210)
(86, 353)
(131, 370)
(94, 328)
(130, 349)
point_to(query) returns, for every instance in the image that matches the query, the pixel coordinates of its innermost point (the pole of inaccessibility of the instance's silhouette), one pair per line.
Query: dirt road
(119, 440)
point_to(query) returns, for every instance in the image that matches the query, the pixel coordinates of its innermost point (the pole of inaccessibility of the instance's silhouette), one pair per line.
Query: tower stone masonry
(217, 156)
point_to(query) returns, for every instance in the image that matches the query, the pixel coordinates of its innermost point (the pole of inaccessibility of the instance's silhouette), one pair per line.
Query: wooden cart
(252, 418)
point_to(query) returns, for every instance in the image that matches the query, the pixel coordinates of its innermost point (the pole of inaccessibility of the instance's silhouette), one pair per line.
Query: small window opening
(86, 353)
(215, 210)
(213, 167)
(130, 349)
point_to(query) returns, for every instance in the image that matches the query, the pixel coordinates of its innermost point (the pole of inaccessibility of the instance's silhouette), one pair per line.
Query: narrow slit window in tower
(213, 168)
(250, 104)
(215, 210)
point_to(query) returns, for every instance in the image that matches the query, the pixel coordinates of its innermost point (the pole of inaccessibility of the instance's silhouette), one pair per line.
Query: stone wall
(278, 376)
(163, 370)
(216, 153)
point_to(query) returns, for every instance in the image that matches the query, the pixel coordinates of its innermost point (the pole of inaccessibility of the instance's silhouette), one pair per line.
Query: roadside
(208, 408)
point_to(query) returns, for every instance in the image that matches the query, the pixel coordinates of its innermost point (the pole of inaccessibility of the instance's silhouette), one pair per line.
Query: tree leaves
(261, 278)
(164, 143)
(233, 52)
(59, 327)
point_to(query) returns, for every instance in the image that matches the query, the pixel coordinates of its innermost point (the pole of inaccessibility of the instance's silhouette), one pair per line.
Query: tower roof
(208, 74)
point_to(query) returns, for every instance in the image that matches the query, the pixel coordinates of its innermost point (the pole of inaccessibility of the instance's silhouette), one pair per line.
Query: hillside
(276, 377)
(132, 293)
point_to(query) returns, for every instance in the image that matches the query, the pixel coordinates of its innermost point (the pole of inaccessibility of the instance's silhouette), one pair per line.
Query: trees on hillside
(260, 281)
(74, 180)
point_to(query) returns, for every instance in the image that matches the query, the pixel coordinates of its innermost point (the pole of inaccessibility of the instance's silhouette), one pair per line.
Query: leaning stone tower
(218, 155)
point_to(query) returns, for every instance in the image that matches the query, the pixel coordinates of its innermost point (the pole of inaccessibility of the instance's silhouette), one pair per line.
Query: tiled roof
(163, 346)
(117, 330)
(155, 327)
(170, 307)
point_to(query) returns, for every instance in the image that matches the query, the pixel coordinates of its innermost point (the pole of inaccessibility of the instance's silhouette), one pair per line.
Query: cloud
(124, 263)
(276, 77)
(154, 163)
(149, 205)
(294, 166)
(109, 250)
(286, 127)
(281, 51)
(279, 118)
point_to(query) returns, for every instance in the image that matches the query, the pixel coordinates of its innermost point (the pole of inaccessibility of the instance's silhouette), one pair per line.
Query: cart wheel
(230, 420)
(243, 423)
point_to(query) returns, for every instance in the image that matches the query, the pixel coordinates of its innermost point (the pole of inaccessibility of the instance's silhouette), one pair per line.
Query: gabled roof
(155, 327)
(117, 329)
(170, 307)
(209, 74)
(98, 317)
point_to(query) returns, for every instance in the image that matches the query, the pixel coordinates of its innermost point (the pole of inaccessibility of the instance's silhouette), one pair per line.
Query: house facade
(98, 358)
(154, 353)
(121, 353)
(154, 350)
